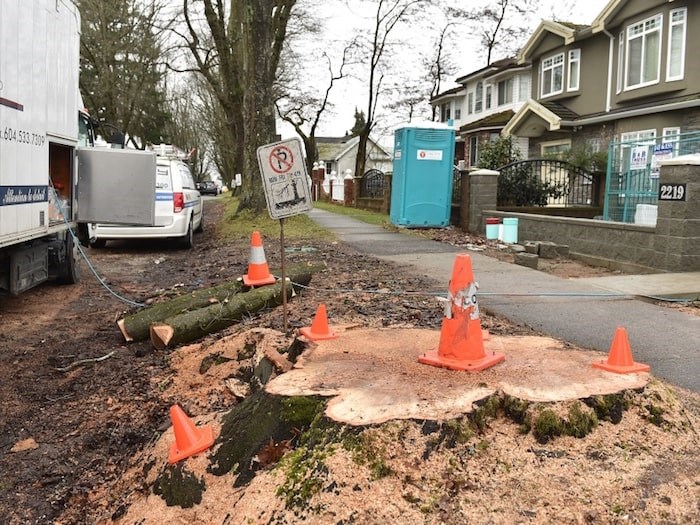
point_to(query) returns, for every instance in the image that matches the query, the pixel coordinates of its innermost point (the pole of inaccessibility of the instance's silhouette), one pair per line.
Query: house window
(672, 135)
(552, 74)
(444, 113)
(676, 45)
(473, 150)
(554, 149)
(643, 52)
(574, 69)
(488, 97)
(329, 166)
(505, 92)
(478, 99)
(620, 60)
(470, 103)
(523, 88)
(458, 112)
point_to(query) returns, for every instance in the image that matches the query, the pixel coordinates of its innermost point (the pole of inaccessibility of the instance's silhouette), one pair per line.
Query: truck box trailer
(52, 179)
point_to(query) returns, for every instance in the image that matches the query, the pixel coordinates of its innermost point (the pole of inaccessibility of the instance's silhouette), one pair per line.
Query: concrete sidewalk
(585, 312)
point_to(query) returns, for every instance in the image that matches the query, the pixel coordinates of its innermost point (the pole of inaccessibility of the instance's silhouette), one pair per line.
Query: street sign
(285, 180)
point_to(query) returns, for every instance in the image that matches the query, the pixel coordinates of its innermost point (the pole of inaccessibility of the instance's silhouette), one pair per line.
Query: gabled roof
(546, 117)
(609, 11)
(566, 31)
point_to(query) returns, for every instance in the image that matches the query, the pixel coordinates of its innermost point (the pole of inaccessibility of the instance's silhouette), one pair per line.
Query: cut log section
(136, 327)
(192, 325)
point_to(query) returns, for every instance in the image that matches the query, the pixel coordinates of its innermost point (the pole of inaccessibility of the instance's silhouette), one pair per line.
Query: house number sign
(672, 192)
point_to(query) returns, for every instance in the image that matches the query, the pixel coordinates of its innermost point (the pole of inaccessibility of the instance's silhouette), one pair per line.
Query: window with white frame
(523, 88)
(487, 101)
(643, 53)
(473, 150)
(676, 44)
(505, 91)
(458, 112)
(479, 97)
(672, 135)
(552, 75)
(620, 60)
(574, 69)
(470, 103)
(445, 112)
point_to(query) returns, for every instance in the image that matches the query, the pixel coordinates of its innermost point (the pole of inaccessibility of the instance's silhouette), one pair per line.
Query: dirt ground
(82, 411)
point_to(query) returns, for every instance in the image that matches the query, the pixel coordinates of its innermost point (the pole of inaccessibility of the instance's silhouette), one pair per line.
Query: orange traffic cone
(189, 440)
(319, 328)
(620, 359)
(258, 272)
(461, 337)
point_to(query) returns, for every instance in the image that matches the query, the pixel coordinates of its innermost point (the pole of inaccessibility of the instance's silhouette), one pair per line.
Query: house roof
(495, 66)
(566, 31)
(453, 91)
(494, 121)
(334, 148)
(534, 118)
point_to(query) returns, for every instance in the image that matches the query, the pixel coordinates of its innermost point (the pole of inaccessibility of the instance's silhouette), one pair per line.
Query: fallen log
(136, 326)
(192, 325)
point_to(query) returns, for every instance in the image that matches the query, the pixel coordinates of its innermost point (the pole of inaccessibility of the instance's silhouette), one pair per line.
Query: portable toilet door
(421, 188)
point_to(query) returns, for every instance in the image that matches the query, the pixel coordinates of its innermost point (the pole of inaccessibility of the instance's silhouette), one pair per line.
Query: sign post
(286, 186)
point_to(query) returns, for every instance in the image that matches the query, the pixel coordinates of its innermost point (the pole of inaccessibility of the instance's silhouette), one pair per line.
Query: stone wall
(672, 245)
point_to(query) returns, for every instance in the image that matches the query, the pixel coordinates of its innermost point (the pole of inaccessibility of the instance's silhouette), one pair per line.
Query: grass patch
(370, 217)
(236, 225)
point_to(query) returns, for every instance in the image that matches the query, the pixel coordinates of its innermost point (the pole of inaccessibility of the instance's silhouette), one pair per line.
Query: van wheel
(187, 241)
(68, 270)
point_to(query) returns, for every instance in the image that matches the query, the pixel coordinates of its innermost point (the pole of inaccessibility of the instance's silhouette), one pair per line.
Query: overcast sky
(352, 94)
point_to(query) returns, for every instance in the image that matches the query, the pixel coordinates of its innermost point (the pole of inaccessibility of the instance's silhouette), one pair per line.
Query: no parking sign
(285, 180)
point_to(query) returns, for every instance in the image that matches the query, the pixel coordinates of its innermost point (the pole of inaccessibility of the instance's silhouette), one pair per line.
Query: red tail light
(178, 201)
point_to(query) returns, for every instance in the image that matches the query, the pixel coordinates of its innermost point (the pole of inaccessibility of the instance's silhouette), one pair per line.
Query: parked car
(178, 210)
(209, 187)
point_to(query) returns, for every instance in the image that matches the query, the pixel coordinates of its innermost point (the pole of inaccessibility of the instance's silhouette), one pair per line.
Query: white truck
(52, 182)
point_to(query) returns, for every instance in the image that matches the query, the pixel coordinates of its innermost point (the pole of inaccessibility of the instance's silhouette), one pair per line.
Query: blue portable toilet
(421, 186)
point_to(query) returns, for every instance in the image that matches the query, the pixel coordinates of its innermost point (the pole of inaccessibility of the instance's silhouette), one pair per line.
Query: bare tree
(189, 129)
(388, 14)
(236, 48)
(500, 24)
(303, 110)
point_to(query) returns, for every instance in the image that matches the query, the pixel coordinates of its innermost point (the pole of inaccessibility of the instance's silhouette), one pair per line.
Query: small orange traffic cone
(461, 337)
(189, 440)
(319, 329)
(258, 272)
(620, 359)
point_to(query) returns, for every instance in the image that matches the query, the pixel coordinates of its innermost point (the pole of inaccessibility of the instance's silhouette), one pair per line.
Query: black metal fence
(372, 184)
(546, 182)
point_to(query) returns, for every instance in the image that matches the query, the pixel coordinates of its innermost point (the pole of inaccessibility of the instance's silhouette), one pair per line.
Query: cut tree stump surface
(374, 375)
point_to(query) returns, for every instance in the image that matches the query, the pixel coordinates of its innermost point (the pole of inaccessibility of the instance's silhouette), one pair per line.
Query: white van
(178, 210)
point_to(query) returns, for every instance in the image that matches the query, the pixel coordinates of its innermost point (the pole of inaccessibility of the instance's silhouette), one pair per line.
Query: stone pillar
(677, 239)
(464, 192)
(386, 202)
(482, 195)
(349, 189)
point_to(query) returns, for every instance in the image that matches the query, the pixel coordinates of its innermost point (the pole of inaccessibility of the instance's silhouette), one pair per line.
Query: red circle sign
(281, 159)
